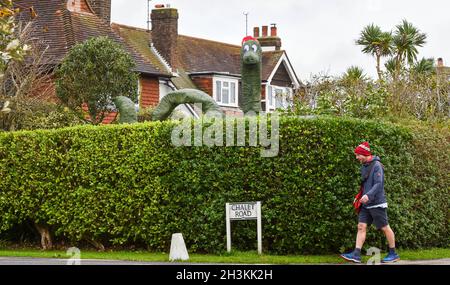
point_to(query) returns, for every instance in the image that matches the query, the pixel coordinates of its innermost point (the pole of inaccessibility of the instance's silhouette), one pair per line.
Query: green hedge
(126, 184)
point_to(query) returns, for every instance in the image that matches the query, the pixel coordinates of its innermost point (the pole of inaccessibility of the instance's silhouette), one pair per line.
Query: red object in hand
(356, 202)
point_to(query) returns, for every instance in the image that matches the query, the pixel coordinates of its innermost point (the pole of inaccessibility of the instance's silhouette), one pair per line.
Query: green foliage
(406, 40)
(45, 115)
(92, 74)
(374, 41)
(418, 94)
(377, 43)
(145, 114)
(425, 66)
(401, 46)
(354, 74)
(127, 184)
(352, 95)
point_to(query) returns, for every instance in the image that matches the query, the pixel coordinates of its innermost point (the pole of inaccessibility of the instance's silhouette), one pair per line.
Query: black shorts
(376, 216)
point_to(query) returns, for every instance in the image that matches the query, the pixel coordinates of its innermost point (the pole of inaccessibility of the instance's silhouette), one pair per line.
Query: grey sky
(318, 35)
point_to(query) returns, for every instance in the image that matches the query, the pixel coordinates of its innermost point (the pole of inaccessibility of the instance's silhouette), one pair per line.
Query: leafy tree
(92, 74)
(377, 43)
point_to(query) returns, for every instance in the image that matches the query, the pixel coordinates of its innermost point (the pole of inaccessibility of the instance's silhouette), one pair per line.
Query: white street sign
(243, 211)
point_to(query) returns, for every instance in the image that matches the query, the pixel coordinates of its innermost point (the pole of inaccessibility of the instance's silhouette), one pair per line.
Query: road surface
(54, 261)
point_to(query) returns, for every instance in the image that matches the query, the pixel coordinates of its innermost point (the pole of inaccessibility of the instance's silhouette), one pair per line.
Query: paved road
(54, 261)
(46, 261)
(445, 261)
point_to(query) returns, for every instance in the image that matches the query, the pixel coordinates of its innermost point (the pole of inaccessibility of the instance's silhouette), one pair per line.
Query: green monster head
(251, 52)
(251, 66)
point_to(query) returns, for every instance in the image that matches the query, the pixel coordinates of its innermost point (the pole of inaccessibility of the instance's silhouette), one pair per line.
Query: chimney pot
(256, 32)
(273, 30)
(265, 29)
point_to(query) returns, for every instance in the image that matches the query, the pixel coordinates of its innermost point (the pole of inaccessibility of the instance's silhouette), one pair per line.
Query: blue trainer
(352, 257)
(391, 258)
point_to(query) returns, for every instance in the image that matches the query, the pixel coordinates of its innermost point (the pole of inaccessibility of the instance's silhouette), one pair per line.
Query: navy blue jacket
(374, 185)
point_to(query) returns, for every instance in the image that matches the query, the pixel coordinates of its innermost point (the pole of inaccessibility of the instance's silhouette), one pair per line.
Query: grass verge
(233, 257)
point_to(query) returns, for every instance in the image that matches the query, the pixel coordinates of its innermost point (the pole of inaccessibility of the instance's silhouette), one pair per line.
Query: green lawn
(234, 257)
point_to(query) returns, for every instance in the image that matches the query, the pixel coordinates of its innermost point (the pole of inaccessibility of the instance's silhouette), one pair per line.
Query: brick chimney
(165, 32)
(102, 8)
(268, 43)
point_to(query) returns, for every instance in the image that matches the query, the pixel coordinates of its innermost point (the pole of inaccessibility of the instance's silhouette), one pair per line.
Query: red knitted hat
(363, 149)
(249, 38)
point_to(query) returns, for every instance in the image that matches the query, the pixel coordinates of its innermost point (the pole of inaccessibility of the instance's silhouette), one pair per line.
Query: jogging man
(374, 205)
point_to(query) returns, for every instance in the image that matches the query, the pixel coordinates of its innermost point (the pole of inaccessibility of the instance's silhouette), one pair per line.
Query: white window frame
(271, 99)
(230, 81)
(137, 106)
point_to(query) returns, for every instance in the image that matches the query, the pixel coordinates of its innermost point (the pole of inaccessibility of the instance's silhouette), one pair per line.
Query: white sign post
(241, 212)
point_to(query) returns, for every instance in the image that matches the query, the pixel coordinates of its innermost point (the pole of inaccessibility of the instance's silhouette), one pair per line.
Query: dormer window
(226, 91)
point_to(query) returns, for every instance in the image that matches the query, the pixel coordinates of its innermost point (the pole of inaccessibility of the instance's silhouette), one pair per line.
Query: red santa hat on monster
(363, 149)
(249, 38)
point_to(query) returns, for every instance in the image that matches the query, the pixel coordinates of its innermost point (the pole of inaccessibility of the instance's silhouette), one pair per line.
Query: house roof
(443, 69)
(138, 40)
(195, 55)
(200, 55)
(60, 29)
(270, 61)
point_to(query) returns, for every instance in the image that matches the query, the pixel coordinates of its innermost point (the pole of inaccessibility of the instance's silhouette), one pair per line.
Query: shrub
(92, 74)
(38, 114)
(127, 184)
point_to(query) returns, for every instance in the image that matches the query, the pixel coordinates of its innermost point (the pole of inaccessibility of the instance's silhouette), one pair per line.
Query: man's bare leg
(390, 236)
(361, 236)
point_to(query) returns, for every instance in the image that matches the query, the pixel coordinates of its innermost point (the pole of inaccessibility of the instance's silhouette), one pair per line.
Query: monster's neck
(251, 88)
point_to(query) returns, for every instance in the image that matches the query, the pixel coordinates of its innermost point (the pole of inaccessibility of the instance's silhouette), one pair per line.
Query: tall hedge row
(130, 185)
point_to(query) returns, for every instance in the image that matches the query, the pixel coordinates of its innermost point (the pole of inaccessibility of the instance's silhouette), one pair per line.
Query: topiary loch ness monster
(251, 70)
(186, 96)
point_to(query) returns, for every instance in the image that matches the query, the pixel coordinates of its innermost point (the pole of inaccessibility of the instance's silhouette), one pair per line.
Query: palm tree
(354, 74)
(390, 66)
(377, 43)
(406, 40)
(425, 66)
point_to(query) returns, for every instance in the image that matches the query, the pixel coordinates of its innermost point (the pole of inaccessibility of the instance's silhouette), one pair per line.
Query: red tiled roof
(51, 30)
(60, 29)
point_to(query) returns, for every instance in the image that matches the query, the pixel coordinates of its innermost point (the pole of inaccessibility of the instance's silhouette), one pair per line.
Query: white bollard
(178, 249)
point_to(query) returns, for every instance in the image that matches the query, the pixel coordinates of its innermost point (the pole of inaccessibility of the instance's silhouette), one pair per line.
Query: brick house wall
(204, 83)
(149, 91)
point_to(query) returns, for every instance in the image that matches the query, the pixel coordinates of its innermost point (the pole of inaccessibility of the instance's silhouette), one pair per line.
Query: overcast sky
(318, 35)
